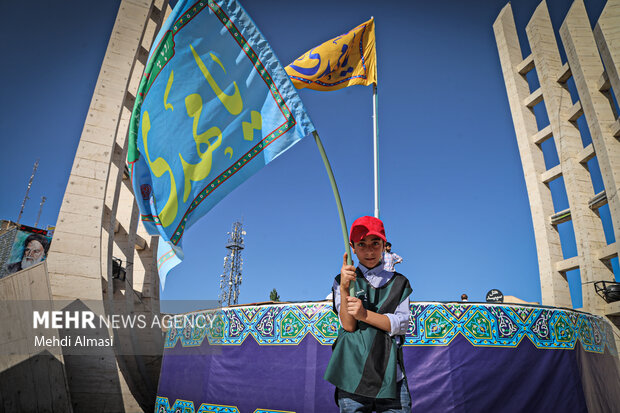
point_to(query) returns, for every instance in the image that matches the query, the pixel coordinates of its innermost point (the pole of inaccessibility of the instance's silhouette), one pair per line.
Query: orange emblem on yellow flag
(346, 60)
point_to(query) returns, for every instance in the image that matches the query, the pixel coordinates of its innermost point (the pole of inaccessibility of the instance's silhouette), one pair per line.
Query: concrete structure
(98, 220)
(31, 379)
(593, 78)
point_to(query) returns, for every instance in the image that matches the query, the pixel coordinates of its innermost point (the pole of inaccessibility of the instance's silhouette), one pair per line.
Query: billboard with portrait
(29, 248)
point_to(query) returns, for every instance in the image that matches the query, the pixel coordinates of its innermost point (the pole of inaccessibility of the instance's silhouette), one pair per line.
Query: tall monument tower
(592, 64)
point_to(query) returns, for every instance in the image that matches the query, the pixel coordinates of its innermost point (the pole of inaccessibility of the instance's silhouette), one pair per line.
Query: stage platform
(459, 357)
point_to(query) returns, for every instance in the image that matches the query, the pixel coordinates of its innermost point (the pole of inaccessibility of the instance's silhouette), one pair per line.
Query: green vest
(364, 361)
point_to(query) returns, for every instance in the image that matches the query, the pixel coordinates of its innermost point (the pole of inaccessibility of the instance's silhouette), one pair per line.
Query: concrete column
(587, 69)
(607, 35)
(587, 226)
(554, 285)
(95, 200)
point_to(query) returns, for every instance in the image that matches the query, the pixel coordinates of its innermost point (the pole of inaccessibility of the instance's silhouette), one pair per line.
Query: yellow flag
(346, 60)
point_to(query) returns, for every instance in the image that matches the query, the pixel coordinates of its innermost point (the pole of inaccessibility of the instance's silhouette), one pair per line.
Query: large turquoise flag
(213, 107)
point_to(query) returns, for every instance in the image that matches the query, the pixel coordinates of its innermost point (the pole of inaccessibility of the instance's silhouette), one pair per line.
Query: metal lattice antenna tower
(34, 171)
(233, 264)
(43, 199)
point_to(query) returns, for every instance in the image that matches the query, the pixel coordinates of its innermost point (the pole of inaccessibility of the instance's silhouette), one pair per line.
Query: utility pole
(43, 199)
(34, 171)
(231, 278)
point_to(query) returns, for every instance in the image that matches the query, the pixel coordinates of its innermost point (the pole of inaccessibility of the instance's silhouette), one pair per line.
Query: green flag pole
(343, 222)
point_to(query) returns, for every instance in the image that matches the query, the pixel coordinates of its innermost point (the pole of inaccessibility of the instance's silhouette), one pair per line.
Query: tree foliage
(273, 295)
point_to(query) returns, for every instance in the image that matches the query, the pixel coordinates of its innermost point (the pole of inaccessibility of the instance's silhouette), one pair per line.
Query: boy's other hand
(355, 308)
(347, 273)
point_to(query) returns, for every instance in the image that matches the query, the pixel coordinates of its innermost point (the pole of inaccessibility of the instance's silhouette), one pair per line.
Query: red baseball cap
(364, 226)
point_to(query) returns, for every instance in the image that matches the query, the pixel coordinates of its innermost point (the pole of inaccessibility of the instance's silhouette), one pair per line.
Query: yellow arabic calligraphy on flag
(346, 60)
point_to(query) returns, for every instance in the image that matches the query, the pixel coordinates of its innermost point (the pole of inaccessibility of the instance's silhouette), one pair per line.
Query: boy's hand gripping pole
(343, 223)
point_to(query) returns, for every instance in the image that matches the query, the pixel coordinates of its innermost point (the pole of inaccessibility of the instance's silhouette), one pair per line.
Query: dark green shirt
(365, 361)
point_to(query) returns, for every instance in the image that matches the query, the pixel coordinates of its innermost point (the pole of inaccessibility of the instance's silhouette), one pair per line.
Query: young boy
(367, 362)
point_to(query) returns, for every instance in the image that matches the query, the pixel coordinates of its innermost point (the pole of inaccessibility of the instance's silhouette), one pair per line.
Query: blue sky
(453, 196)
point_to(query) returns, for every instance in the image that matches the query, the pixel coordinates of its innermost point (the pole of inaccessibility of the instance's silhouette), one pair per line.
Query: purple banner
(272, 358)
